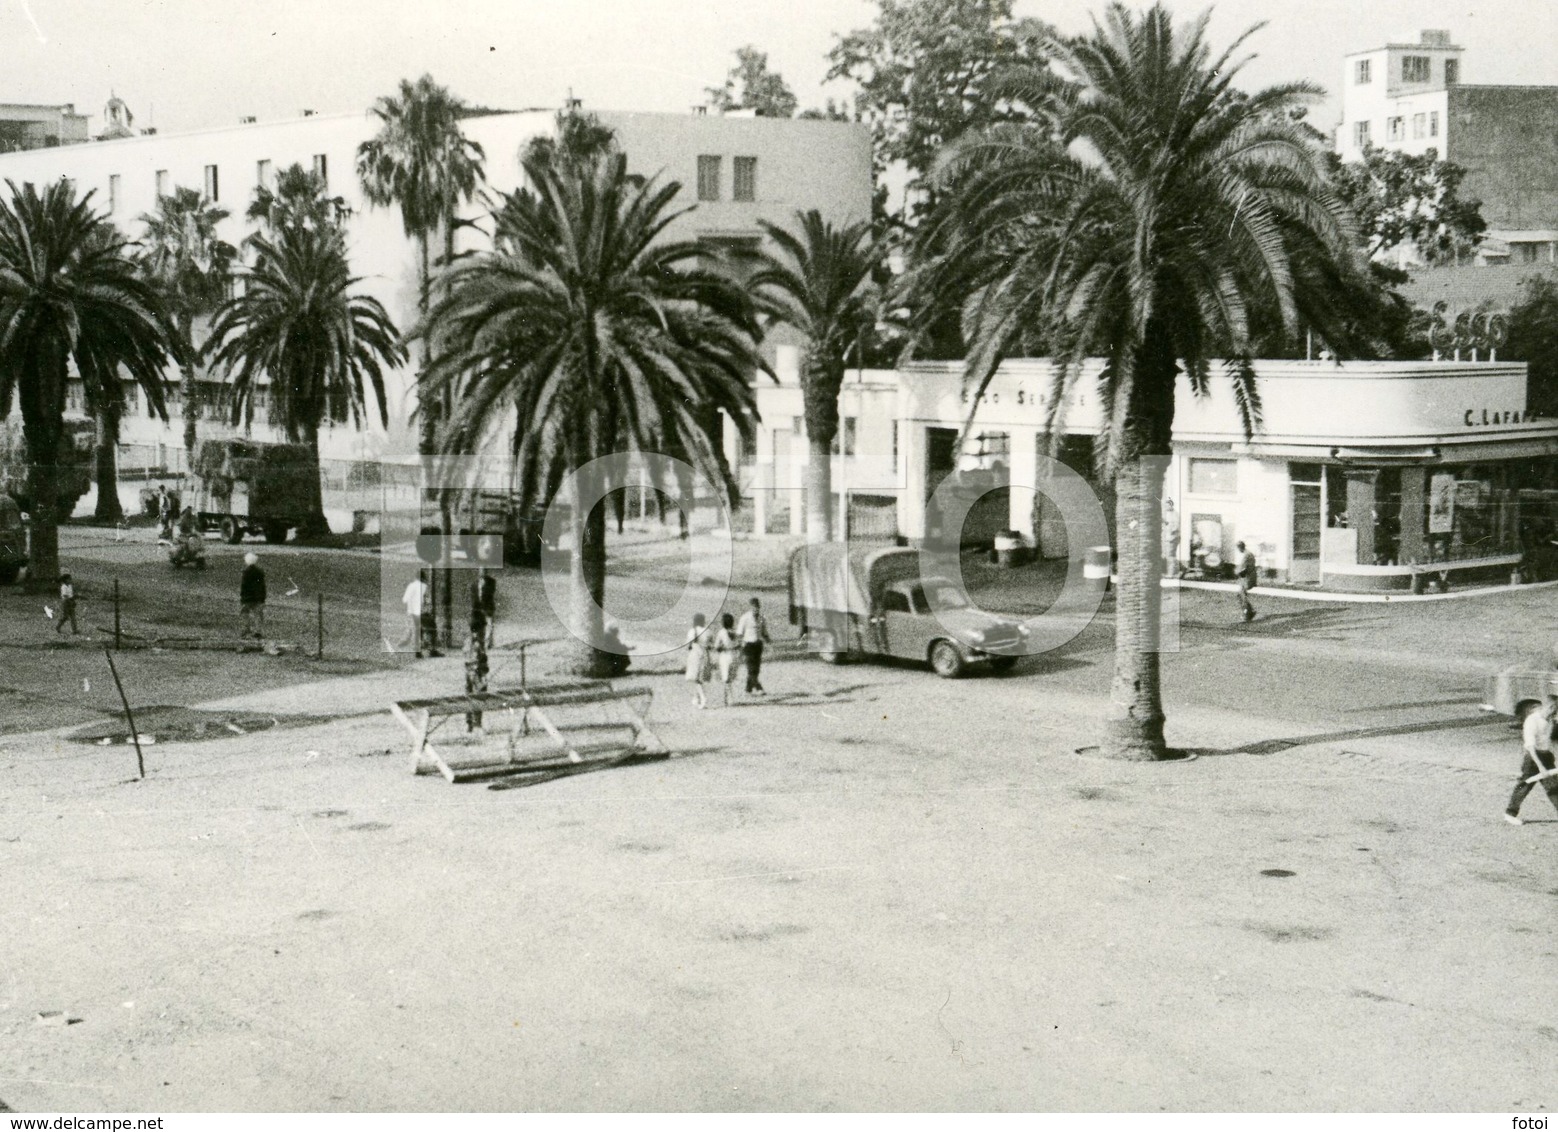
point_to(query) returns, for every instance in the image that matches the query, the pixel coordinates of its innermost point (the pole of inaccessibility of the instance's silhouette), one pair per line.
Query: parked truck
(852, 601)
(249, 487)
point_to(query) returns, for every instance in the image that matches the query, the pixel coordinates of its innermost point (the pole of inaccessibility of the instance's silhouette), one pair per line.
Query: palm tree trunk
(819, 489)
(314, 523)
(587, 578)
(43, 553)
(1133, 725)
(190, 390)
(108, 509)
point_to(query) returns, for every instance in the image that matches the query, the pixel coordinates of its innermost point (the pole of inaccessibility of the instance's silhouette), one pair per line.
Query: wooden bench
(540, 735)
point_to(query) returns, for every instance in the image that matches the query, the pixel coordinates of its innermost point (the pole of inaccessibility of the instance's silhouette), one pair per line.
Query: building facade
(26, 125)
(1362, 475)
(734, 173)
(1414, 97)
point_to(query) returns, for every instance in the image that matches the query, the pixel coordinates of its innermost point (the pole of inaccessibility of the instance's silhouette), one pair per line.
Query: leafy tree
(752, 86)
(193, 268)
(1410, 200)
(1167, 221)
(818, 280)
(924, 74)
(586, 334)
(421, 162)
(321, 346)
(1533, 338)
(70, 295)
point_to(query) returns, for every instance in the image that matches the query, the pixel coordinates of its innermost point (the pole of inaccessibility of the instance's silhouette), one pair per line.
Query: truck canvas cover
(840, 578)
(277, 476)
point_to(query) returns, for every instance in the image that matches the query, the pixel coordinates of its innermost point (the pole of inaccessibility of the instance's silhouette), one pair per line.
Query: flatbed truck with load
(853, 601)
(251, 487)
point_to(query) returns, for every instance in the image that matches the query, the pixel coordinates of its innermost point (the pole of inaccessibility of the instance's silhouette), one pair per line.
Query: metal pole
(320, 655)
(521, 664)
(116, 614)
(140, 762)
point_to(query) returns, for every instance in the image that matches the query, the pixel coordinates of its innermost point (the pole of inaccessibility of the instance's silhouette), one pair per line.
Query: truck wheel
(231, 531)
(946, 660)
(275, 532)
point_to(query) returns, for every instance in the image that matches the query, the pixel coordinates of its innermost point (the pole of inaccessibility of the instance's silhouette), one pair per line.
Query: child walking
(67, 607)
(698, 659)
(726, 649)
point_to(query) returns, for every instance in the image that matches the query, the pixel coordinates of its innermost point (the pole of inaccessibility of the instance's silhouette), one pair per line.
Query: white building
(736, 171)
(1363, 474)
(1414, 97)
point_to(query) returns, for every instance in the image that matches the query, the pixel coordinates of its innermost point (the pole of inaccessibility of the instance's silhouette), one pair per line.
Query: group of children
(711, 651)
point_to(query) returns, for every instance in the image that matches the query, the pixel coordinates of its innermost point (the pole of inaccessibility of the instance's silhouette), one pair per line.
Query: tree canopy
(1414, 200)
(752, 86)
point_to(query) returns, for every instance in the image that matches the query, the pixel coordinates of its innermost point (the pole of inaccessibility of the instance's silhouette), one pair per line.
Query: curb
(1332, 596)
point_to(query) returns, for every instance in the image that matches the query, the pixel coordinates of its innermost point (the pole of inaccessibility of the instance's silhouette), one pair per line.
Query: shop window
(1362, 135)
(708, 177)
(745, 186)
(1214, 477)
(1416, 68)
(1365, 72)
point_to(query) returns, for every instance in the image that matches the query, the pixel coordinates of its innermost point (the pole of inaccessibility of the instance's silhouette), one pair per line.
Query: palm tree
(297, 200)
(1158, 218)
(587, 337)
(192, 267)
(69, 296)
(321, 346)
(422, 162)
(819, 282)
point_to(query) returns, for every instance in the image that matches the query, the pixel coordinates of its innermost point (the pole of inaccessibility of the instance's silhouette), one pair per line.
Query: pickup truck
(852, 601)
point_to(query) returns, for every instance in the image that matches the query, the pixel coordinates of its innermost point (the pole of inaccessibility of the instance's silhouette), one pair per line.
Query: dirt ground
(869, 890)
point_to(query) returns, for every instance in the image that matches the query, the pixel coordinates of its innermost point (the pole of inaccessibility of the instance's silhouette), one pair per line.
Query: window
(263, 173)
(895, 602)
(1214, 477)
(708, 178)
(322, 169)
(1364, 73)
(162, 182)
(1395, 129)
(1433, 123)
(895, 446)
(1452, 72)
(132, 398)
(1416, 68)
(745, 187)
(845, 443)
(113, 192)
(1419, 125)
(1361, 135)
(213, 186)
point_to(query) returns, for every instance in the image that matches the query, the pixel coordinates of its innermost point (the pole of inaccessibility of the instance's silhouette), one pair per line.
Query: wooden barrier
(540, 735)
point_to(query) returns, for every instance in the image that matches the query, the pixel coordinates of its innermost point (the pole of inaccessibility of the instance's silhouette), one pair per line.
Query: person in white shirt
(1537, 765)
(752, 632)
(415, 599)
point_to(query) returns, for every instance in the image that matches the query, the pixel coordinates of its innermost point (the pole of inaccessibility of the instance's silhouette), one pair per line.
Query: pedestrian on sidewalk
(698, 659)
(164, 512)
(725, 649)
(475, 667)
(1249, 576)
(67, 607)
(484, 599)
(753, 633)
(251, 597)
(418, 605)
(1537, 746)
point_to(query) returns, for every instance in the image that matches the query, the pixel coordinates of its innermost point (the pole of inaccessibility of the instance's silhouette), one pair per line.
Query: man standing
(417, 604)
(1537, 741)
(484, 601)
(752, 631)
(251, 597)
(1249, 575)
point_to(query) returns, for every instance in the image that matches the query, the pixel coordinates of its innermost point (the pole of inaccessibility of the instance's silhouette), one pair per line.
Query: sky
(190, 64)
